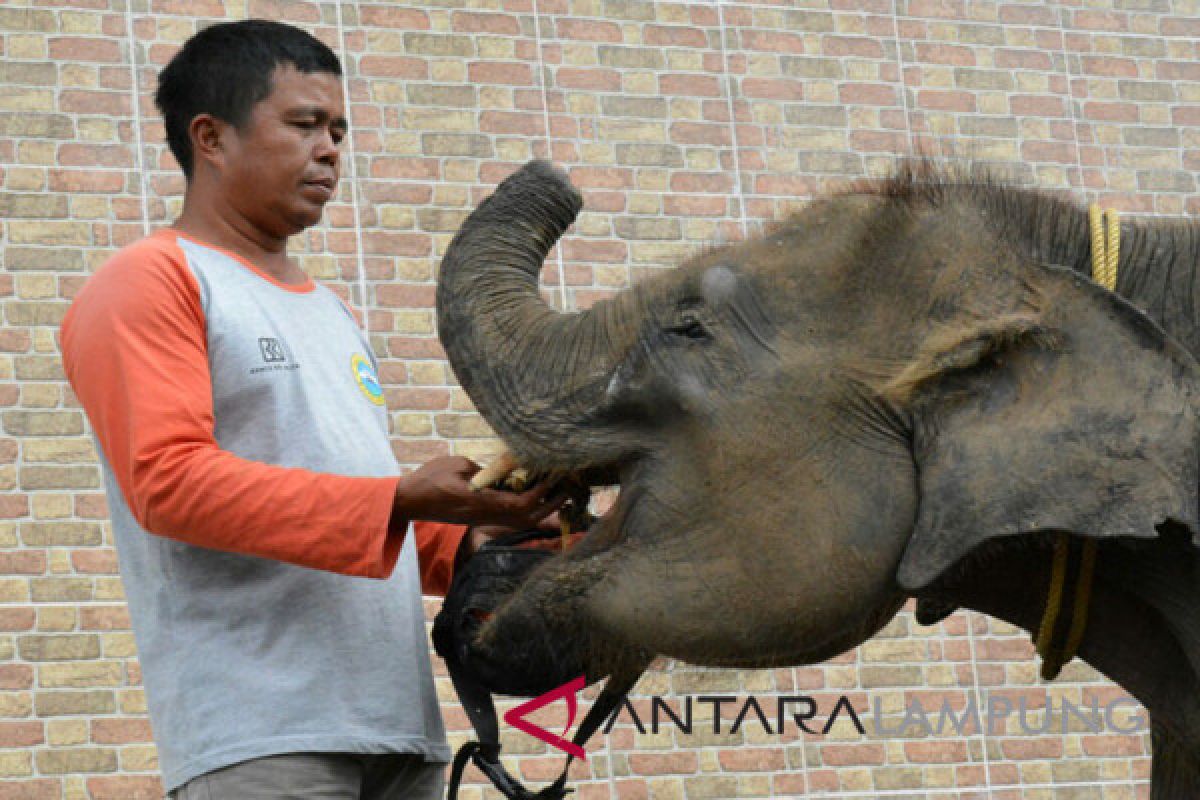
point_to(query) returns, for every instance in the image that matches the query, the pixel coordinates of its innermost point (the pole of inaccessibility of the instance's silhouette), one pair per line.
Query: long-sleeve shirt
(243, 437)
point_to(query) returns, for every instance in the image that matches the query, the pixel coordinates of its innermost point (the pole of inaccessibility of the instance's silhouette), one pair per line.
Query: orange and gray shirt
(242, 433)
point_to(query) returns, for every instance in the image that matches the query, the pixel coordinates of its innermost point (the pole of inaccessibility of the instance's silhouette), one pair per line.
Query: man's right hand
(439, 491)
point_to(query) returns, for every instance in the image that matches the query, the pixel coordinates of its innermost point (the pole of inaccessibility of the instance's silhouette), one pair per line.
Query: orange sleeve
(437, 547)
(135, 352)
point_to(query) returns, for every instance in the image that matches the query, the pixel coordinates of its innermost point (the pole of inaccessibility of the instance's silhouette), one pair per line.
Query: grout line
(1070, 98)
(135, 98)
(541, 67)
(353, 176)
(733, 123)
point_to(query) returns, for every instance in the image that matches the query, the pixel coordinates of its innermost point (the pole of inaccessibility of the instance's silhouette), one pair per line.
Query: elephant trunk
(537, 376)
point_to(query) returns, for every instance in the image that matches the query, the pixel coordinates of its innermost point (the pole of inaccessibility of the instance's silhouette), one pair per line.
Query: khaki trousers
(321, 776)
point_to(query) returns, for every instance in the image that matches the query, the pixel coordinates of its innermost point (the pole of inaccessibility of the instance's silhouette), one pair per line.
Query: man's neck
(264, 251)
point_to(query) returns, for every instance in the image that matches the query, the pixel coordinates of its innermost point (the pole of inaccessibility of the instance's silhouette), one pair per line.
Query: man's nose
(327, 151)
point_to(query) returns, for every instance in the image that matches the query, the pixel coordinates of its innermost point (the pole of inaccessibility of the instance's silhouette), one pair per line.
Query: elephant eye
(690, 327)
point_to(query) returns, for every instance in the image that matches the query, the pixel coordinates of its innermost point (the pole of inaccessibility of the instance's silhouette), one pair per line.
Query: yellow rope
(1106, 245)
(1106, 250)
(1083, 596)
(1045, 636)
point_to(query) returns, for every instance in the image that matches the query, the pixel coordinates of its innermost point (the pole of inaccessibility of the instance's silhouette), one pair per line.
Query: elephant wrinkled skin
(905, 389)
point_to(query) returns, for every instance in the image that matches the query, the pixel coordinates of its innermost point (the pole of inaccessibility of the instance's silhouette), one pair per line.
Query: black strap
(485, 753)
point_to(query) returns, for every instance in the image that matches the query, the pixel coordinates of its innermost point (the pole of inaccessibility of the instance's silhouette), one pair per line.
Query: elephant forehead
(718, 285)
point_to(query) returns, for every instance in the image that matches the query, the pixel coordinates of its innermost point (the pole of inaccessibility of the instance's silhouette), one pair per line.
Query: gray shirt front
(244, 656)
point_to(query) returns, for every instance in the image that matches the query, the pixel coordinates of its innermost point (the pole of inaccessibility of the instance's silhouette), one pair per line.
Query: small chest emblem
(368, 381)
(271, 349)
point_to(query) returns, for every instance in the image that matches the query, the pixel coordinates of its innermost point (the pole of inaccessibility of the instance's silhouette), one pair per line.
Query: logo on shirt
(368, 381)
(272, 350)
(275, 355)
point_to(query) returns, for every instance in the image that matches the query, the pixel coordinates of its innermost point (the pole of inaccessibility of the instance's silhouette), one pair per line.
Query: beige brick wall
(636, 98)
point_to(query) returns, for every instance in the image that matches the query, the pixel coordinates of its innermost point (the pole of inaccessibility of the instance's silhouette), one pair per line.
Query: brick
(690, 85)
(711, 786)
(427, 95)
(76, 760)
(816, 116)
(57, 590)
(17, 619)
(126, 787)
(617, 106)
(23, 562)
(647, 228)
(48, 232)
(61, 534)
(15, 676)
(1146, 92)
(27, 19)
(772, 41)
(16, 765)
(630, 57)
(484, 22)
(943, 53)
(674, 36)
(649, 155)
(66, 647)
(590, 30)
(42, 423)
(13, 506)
(472, 146)
(94, 562)
(81, 180)
(38, 789)
(39, 368)
(69, 702)
(79, 48)
(498, 72)
(877, 94)
(391, 67)
(66, 731)
(851, 47)
(433, 44)
(390, 16)
(96, 155)
(83, 674)
(20, 734)
(39, 74)
(1037, 106)
(120, 731)
(460, 426)
(60, 478)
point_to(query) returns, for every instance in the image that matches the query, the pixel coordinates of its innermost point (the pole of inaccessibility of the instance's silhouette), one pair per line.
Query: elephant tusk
(504, 470)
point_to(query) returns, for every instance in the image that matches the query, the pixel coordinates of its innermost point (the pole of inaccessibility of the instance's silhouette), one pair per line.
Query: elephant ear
(1078, 417)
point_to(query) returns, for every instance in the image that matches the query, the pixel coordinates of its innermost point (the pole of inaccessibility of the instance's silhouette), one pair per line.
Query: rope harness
(489, 577)
(1072, 554)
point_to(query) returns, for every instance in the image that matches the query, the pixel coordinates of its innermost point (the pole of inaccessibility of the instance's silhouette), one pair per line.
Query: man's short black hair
(225, 69)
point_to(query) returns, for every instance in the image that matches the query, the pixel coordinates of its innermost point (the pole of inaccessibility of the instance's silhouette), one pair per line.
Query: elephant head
(811, 425)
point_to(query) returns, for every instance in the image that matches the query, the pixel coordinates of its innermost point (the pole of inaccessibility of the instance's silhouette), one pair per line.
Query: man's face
(282, 167)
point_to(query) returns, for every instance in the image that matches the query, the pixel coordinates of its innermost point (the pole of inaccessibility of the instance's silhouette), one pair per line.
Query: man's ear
(1080, 417)
(208, 139)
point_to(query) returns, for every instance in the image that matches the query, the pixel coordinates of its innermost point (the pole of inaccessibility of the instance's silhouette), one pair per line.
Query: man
(243, 438)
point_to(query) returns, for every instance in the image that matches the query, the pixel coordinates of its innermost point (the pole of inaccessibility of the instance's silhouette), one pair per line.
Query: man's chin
(305, 218)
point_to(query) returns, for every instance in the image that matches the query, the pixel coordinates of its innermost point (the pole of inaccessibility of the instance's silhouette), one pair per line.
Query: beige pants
(321, 776)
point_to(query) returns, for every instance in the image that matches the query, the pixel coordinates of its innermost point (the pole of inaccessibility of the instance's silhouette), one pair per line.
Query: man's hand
(440, 492)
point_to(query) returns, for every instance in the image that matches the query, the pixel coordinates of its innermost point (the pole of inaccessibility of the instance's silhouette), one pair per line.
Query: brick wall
(684, 123)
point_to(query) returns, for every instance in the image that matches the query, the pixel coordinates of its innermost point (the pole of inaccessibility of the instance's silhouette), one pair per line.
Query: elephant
(910, 388)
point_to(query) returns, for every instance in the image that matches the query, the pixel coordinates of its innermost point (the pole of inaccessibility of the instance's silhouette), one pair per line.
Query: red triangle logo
(516, 717)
